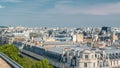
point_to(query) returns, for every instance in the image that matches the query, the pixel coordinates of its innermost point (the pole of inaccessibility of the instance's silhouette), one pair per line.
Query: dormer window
(86, 56)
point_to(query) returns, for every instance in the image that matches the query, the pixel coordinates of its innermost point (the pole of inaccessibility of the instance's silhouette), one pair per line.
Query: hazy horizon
(60, 13)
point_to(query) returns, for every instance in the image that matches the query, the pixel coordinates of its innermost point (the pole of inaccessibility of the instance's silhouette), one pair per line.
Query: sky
(60, 13)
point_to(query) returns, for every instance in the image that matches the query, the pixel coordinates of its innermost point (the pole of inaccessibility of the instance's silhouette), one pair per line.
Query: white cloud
(104, 9)
(11, 1)
(63, 9)
(101, 9)
(2, 6)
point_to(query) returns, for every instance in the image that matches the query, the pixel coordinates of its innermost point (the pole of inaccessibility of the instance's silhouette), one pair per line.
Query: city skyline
(63, 13)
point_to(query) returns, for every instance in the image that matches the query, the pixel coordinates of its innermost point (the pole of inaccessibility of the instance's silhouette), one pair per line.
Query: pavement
(4, 64)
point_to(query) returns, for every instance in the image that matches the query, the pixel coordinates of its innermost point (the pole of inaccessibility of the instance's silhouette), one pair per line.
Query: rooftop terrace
(4, 64)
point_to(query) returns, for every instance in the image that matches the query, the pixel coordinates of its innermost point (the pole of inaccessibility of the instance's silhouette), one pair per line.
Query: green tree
(12, 52)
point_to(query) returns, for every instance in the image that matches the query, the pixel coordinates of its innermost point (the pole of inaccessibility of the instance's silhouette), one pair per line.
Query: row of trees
(12, 52)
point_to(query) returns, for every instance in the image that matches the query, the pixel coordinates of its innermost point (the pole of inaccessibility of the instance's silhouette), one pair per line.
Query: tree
(12, 52)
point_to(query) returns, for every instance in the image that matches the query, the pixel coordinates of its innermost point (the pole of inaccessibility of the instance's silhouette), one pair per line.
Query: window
(114, 62)
(111, 63)
(101, 55)
(117, 62)
(92, 56)
(100, 64)
(107, 64)
(93, 64)
(98, 56)
(86, 56)
(95, 56)
(85, 64)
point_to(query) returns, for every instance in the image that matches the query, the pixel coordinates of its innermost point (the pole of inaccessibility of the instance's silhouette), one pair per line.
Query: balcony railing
(10, 61)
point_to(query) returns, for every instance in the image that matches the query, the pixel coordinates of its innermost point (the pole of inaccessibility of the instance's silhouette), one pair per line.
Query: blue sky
(60, 13)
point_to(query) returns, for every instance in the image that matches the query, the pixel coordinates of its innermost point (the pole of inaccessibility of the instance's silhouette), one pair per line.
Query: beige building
(114, 37)
(108, 57)
(78, 38)
(87, 59)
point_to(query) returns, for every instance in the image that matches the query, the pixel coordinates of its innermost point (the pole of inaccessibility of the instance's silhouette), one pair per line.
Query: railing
(10, 61)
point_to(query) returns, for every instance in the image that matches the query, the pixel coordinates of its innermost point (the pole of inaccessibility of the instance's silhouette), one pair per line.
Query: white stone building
(109, 57)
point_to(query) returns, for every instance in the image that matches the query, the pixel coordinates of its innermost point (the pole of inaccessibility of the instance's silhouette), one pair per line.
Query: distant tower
(104, 30)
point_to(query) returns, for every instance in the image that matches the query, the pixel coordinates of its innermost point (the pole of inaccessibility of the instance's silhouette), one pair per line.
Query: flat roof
(60, 49)
(112, 50)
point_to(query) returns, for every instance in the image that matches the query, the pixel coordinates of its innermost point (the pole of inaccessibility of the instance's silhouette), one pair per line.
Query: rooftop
(8, 61)
(4, 64)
